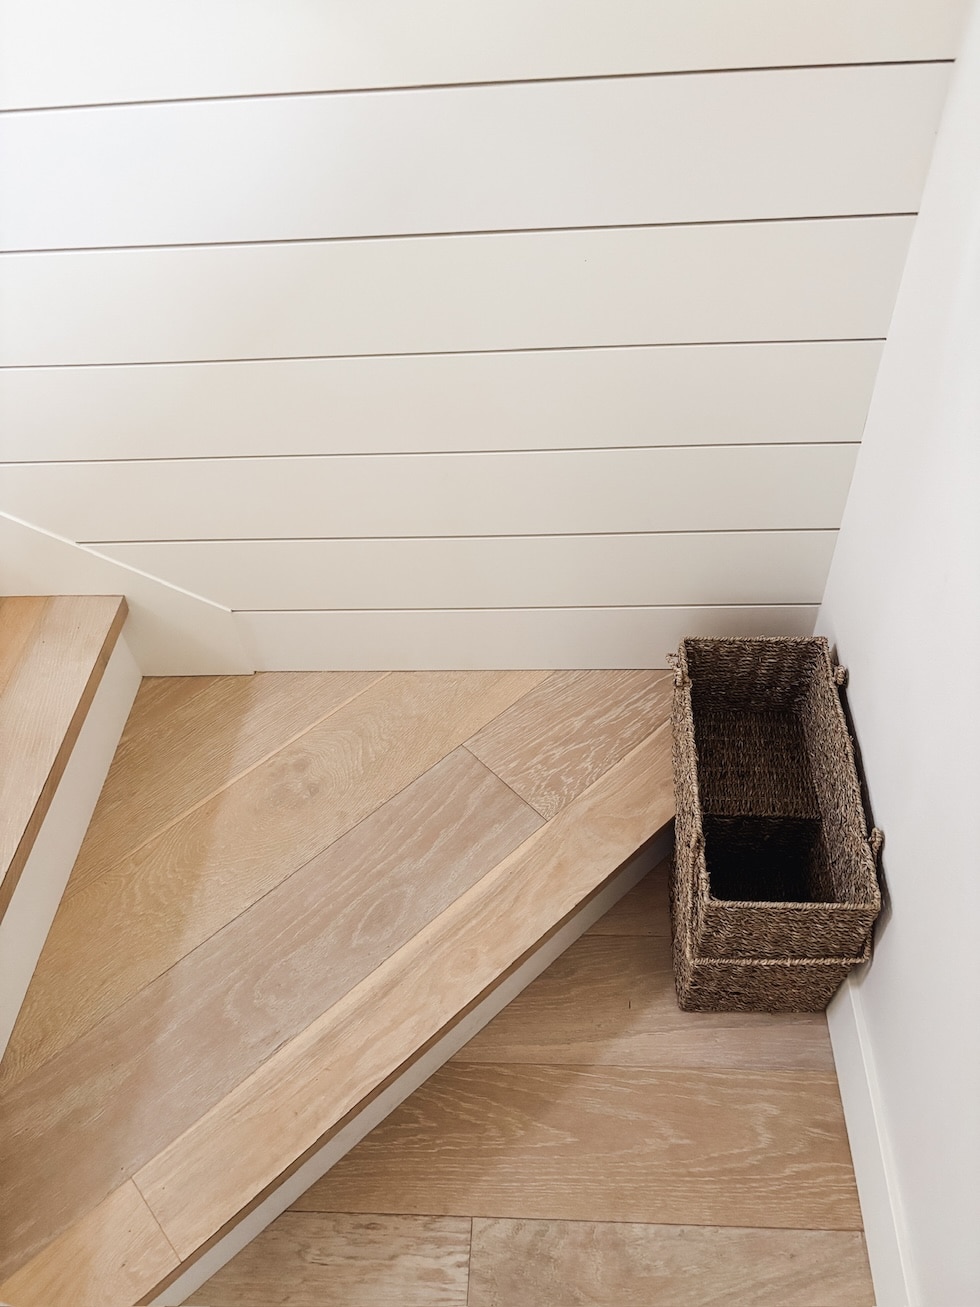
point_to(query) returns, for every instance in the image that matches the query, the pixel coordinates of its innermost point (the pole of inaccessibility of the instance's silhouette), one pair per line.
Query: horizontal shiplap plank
(770, 144)
(750, 487)
(531, 637)
(541, 399)
(57, 52)
(510, 571)
(806, 280)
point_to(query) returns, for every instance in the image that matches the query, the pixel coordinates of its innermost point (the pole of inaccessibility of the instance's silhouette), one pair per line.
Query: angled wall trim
(171, 632)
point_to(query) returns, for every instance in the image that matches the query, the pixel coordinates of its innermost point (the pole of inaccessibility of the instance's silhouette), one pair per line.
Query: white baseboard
(35, 901)
(341, 1143)
(877, 1191)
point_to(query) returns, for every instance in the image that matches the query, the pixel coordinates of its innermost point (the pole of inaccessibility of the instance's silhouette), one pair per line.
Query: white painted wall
(903, 606)
(521, 333)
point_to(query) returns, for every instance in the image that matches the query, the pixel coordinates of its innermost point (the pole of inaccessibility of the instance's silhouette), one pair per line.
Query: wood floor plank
(186, 884)
(347, 1261)
(561, 1143)
(145, 1074)
(643, 911)
(53, 652)
(19, 618)
(611, 1001)
(242, 1144)
(562, 736)
(591, 1264)
(185, 742)
(115, 1255)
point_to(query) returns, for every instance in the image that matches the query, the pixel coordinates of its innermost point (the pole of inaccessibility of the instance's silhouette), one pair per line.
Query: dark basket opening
(765, 859)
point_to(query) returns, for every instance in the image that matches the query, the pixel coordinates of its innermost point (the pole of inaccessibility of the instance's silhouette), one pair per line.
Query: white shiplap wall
(507, 334)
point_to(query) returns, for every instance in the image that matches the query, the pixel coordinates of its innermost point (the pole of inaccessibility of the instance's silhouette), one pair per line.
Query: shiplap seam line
(446, 86)
(538, 608)
(430, 453)
(504, 535)
(450, 234)
(440, 353)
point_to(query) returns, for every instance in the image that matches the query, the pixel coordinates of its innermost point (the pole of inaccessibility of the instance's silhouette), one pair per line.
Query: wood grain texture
(109, 1259)
(60, 57)
(760, 281)
(302, 1260)
(643, 911)
(658, 1146)
(133, 1084)
(562, 736)
(189, 881)
(185, 742)
(610, 1001)
(477, 158)
(591, 1264)
(19, 619)
(723, 488)
(558, 399)
(245, 1141)
(53, 652)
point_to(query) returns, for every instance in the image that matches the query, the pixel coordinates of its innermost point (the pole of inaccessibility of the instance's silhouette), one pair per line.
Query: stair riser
(35, 901)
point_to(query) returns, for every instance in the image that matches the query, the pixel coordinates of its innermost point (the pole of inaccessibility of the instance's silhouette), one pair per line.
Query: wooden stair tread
(53, 652)
(272, 1097)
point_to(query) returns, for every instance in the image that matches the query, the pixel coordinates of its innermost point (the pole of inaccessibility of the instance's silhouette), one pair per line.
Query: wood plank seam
(311, 796)
(435, 1052)
(253, 1100)
(200, 803)
(135, 1183)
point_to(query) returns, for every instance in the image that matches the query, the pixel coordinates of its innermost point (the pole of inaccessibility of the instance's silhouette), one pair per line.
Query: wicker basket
(773, 866)
(755, 984)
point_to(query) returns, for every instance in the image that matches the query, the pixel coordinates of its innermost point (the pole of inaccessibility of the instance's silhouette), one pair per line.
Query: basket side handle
(840, 675)
(674, 664)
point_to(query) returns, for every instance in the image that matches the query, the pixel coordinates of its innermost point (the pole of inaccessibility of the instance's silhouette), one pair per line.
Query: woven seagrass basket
(774, 891)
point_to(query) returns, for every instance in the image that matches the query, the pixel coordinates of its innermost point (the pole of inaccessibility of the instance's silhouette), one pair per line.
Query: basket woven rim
(693, 959)
(821, 645)
(798, 905)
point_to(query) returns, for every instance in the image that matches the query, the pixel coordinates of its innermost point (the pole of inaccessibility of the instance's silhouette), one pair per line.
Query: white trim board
(60, 52)
(877, 1191)
(476, 158)
(170, 632)
(350, 496)
(443, 403)
(459, 1034)
(35, 901)
(688, 568)
(820, 279)
(482, 638)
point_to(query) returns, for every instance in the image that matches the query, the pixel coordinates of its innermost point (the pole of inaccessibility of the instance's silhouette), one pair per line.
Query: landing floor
(593, 1145)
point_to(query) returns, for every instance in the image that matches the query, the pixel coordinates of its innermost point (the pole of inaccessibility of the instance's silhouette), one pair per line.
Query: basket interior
(765, 859)
(761, 813)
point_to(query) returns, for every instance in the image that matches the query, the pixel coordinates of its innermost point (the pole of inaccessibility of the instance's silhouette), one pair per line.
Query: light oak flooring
(264, 845)
(592, 1145)
(53, 651)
